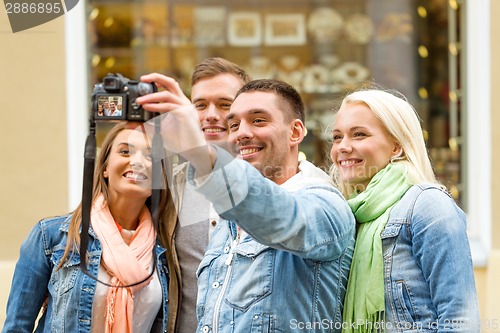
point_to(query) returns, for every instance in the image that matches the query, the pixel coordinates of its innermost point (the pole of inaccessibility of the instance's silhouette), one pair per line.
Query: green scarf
(364, 302)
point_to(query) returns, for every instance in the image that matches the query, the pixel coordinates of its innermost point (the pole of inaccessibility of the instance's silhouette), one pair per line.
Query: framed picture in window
(244, 29)
(210, 25)
(285, 29)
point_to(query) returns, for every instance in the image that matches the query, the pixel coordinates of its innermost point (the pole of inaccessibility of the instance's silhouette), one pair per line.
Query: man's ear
(297, 132)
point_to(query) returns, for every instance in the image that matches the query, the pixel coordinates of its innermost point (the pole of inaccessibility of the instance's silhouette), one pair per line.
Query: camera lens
(144, 88)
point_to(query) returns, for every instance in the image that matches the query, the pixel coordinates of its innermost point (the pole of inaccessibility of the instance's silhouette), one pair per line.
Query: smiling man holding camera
(285, 225)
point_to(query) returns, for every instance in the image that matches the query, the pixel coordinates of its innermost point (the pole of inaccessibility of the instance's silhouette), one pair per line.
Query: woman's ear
(105, 173)
(298, 131)
(397, 151)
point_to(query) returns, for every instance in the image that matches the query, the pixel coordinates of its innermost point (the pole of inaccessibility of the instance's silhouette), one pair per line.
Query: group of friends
(109, 109)
(249, 238)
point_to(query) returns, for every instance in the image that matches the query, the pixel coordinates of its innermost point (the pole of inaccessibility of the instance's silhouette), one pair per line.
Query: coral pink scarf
(127, 264)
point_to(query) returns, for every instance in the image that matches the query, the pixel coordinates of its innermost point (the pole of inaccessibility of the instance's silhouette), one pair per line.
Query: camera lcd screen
(110, 106)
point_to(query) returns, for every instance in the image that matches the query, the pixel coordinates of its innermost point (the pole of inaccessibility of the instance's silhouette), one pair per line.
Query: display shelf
(324, 48)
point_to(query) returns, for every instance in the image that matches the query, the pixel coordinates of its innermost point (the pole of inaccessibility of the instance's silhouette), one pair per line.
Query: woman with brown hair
(125, 289)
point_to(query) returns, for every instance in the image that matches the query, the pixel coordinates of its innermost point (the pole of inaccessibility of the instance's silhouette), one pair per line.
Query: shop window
(324, 48)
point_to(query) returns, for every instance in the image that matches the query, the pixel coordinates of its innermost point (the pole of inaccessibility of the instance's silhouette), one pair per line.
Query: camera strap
(88, 180)
(158, 154)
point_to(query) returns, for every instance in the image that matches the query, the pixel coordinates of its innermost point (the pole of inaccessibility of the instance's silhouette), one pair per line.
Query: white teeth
(135, 176)
(248, 151)
(348, 162)
(214, 130)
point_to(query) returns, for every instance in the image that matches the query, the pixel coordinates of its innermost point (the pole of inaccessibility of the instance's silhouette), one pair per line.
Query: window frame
(477, 100)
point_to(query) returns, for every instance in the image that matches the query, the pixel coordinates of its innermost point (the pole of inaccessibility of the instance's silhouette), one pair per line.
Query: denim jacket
(429, 278)
(68, 292)
(289, 272)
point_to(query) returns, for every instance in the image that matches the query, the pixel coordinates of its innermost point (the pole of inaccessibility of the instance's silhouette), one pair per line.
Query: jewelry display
(260, 67)
(395, 26)
(244, 29)
(322, 48)
(358, 28)
(350, 74)
(325, 24)
(290, 71)
(210, 24)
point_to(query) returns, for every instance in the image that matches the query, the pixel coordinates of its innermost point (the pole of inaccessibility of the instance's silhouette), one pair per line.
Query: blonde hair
(166, 210)
(402, 122)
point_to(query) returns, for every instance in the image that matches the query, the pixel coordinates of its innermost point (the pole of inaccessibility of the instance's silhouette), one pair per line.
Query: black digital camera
(114, 99)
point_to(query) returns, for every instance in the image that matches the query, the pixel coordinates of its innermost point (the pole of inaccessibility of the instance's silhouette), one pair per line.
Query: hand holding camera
(180, 124)
(115, 99)
(142, 102)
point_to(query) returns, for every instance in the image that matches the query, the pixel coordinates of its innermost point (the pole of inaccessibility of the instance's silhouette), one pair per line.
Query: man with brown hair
(284, 226)
(214, 84)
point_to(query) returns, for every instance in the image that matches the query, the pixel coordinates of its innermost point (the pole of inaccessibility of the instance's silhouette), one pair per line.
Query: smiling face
(128, 168)
(362, 146)
(263, 136)
(213, 97)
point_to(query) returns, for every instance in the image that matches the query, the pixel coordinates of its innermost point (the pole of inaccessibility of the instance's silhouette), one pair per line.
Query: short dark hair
(214, 66)
(288, 93)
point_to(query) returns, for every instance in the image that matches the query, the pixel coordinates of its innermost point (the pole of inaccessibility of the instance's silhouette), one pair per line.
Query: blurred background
(441, 54)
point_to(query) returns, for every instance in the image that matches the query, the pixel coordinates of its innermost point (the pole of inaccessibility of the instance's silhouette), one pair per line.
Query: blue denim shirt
(68, 291)
(429, 277)
(289, 273)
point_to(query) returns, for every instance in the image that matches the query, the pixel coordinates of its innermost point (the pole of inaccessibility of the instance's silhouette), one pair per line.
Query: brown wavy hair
(166, 210)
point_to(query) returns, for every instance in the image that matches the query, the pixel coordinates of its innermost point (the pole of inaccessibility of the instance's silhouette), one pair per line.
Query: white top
(147, 303)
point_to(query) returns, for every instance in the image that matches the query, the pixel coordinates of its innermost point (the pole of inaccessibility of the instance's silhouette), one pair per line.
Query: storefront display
(323, 48)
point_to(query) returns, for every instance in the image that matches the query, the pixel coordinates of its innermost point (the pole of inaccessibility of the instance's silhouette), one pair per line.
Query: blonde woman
(412, 269)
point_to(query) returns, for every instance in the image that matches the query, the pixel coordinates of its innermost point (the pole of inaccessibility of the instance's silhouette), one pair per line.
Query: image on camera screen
(110, 106)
